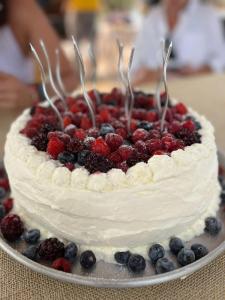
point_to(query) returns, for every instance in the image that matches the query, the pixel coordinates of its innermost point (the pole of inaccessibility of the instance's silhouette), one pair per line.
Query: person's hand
(14, 93)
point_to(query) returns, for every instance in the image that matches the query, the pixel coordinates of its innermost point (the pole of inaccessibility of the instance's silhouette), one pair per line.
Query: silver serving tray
(116, 276)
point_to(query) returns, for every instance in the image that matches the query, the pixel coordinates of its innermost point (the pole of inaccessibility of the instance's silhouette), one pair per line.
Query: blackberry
(46, 128)
(95, 162)
(75, 145)
(12, 227)
(136, 158)
(188, 137)
(40, 141)
(81, 158)
(51, 249)
(32, 110)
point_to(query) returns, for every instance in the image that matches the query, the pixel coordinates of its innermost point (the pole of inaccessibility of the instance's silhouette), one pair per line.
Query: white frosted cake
(163, 196)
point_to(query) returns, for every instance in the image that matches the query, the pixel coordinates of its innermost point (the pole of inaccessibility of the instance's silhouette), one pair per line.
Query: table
(206, 94)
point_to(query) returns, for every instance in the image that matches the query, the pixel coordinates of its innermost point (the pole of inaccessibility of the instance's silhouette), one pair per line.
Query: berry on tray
(175, 244)
(71, 250)
(87, 259)
(212, 225)
(62, 264)
(185, 257)
(31, 252)
(12, 227)
(32, 236)
(199, 250)
(122, 257)
(136, 263)
(51, 249)
(156, 252)
(164, 265)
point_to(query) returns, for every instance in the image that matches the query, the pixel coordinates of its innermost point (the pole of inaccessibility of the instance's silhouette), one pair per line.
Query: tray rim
(180, 273)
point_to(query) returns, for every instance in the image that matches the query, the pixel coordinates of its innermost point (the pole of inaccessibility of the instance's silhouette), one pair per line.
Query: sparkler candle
(82, 81)
(44, 81)
(58, 74)
(93, 59)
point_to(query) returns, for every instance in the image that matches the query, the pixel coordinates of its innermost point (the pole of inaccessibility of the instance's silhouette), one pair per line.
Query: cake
(110, 193)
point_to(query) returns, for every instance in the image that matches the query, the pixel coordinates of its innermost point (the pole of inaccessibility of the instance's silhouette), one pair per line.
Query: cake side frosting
(151, 202)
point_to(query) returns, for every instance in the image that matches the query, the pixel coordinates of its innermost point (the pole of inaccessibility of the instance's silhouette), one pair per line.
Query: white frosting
(106, 212)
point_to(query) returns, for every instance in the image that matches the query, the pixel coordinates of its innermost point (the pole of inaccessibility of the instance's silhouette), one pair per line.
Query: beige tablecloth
(205, 94)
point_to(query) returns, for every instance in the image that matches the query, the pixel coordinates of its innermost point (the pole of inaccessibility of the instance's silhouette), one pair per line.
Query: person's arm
(30, 24)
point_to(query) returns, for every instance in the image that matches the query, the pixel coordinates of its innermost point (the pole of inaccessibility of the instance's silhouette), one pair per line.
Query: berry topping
(8, 204)
(136, 263)
(185, 257)
(145, 125)
(212, 225)
(95, 162)
(55, 146)
(12, 227)
(32, 236)
(80, 134)
(70, 166)
(125, 151)
(71, 251)
(153, 145)
(181, 108)
(87, 259)
(99, 146)
(140, 135)
(40, 141)
(62, 264)
(175, 245)
(156, 252)
(106, 128)
(51, 249)
(189, 124)
(113, 140)
(164, 265)
(199, 250)
(82, 156)
(122, 257)
(30, 252)
(67, 157)
(123, 166)
(2, 211)
(2, 193)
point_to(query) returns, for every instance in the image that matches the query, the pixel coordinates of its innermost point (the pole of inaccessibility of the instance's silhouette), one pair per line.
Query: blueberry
(87, 259)
(106, 128)
(222, 196)
(67, 157)
(2, 193)
(71, 252)
(164, 265)
(212, 226)
(185, 257)
(145, 125)
(199, 250)
(2, 211)
(122, 257)
(136, 263)
(155, 252)
(32, 236)
(222, 181)
(31, 252)
(175, 245)
(81, 158)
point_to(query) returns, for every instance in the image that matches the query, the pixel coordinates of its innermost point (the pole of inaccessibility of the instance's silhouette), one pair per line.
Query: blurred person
(84, 14)
(197, 35)
(22, 22)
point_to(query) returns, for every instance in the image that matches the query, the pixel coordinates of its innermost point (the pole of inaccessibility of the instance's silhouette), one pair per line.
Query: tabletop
(206, 94)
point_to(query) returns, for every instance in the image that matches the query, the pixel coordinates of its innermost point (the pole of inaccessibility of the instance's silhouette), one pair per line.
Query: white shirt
(197, 39)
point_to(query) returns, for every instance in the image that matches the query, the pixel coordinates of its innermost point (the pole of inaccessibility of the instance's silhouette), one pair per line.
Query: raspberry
(151, 116)
(65, 138)
(51, 249)
(136, 158)
(123, 166)
(80, 134)
(75, 145)
(85, 123)
(126, 151)
(153, 145)
(40, 142)
(159, 152)
(154, 134)
(139, 134)
(93, 132)
(30, 132)
(169, 143)
(139, 114)
(113, 140)
(12, 227)
(4, 183)
(115, 157)
(62, 264)
(67, 121)
(122, 132)
(95, 162)
(174, 127)
(181, 108)
(140, 146)
(70, 166)
(105, 116)
(70, 129)
(190, 125)
(100, 146)
(8, 204)
(55, 146)
(188, 137)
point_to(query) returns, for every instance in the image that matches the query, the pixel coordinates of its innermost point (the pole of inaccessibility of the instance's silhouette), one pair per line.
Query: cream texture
(115, 211)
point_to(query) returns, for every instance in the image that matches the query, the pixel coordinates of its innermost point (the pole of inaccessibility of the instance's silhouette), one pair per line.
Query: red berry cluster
(110, 144)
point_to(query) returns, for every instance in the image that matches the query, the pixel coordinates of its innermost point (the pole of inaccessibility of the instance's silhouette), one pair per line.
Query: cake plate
(116, 276)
